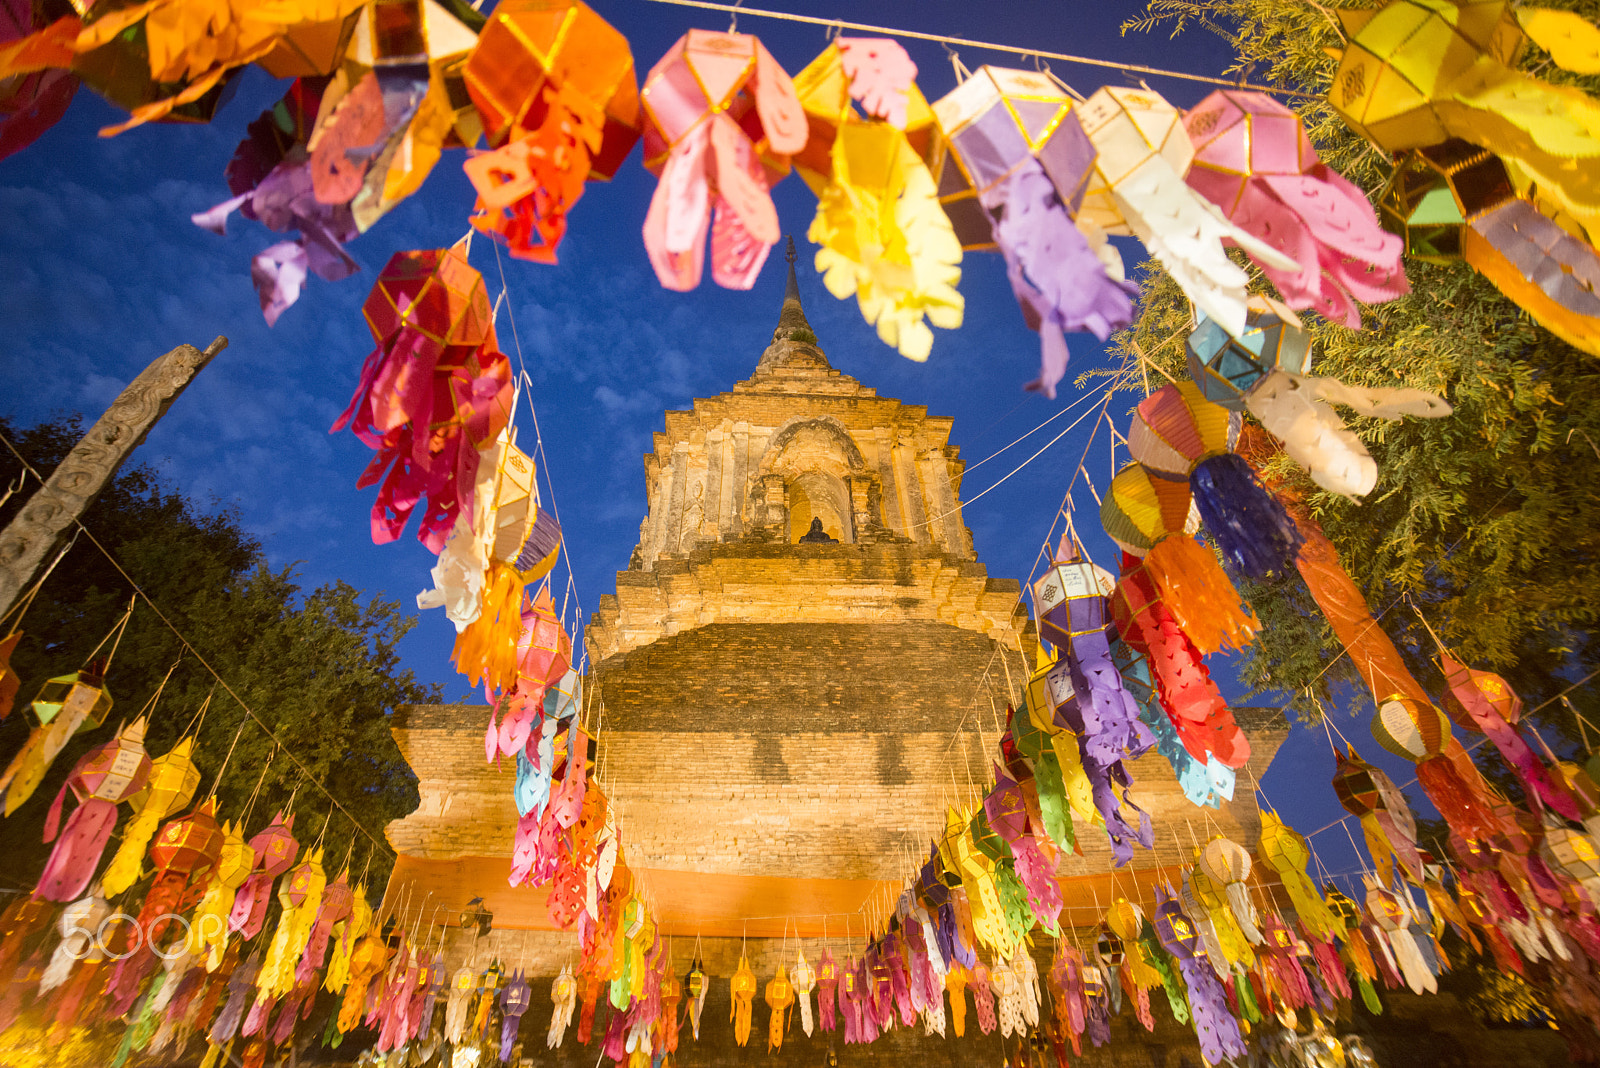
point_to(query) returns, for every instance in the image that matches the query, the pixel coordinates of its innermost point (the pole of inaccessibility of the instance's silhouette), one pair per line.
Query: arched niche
(816, 459)
(816, 495)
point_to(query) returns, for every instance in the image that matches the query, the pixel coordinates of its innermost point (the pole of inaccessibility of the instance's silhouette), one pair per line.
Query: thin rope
(26, 600)
(964, 42)
(139, 593)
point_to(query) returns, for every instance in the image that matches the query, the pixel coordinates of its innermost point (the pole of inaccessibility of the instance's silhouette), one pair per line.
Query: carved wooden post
(35, 535)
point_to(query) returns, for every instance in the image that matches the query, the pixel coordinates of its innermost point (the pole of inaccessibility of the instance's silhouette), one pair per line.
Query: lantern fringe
(1200, 596)
(1253, 531)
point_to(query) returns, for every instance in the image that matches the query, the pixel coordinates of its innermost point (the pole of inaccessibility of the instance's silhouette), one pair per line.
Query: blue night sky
(103, 271)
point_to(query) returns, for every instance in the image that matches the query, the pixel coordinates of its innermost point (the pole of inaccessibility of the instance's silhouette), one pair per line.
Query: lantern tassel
(1200, 596)
(1252, 530)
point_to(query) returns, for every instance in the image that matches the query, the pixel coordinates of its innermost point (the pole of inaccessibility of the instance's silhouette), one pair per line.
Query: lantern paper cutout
(1177, 431)
(271, 182)
(1189, 698)
(883, 236)
(1070, 604)
(1455, 200)
(1153, 516)
(1265, 370)
(172, 782)
(65, 705)
(106, 776)
(1142, 153)
(433, 391)
(1016, 142)
(1286, 853)
(1207, 782)
(1227, 863)
(1370, 795)
(273, 850)
(1482, 701)
(721, 120)
(1216, 1028)
(555, 86)
(1254, 161)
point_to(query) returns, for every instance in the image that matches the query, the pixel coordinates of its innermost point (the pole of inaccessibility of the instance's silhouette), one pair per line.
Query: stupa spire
(792, 318)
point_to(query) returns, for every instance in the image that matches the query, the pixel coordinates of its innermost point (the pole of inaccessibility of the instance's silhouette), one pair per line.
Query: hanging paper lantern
(106, 776)
(1216, 1028)
(1153, 516)
(183, 855)
(1416, 76)
(1254, 161)
(1573, 853)
(1142, 154)
(1070, 604)
(555, 86)
(157, 60)
(1227, 863)
(882, 233)
(1189, 698)
(1370, 795)
(1264, 371)
(1482, 702)
(1420, 732)
(65, 705)
(1177, 431)
(1226, 367)
(1019, 163)
(271, 182)
(721, 120)
(432, 393)
(172, 782)
(273, 850)
(81, 698)
(1286, 853)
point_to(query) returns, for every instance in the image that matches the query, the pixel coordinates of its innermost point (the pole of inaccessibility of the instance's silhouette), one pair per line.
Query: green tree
(1488, 521)
(319, 667)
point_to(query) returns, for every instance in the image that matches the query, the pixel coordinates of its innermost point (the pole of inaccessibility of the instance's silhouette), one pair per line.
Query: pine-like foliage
(1489, 521)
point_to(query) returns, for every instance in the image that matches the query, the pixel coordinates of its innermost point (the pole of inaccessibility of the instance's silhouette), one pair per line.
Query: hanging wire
(1132, 68)
(138, 595)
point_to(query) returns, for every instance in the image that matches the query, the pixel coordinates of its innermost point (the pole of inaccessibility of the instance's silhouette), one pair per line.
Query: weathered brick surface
(804, 678)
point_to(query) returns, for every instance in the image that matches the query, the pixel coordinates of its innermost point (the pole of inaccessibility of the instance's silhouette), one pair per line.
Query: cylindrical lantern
(1176, 430)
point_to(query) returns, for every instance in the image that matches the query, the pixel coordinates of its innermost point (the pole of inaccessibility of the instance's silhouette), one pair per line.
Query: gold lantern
(81, 695)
